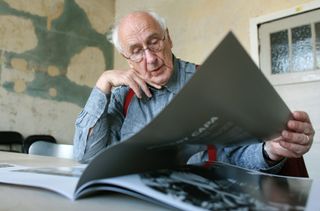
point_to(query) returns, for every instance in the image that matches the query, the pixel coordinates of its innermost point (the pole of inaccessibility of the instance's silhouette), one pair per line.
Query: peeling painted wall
(51, 54)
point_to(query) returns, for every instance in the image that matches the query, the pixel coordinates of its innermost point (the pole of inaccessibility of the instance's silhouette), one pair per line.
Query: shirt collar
(173, 84)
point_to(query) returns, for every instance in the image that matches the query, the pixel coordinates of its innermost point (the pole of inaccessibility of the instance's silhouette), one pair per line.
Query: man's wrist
(266, 156)
(104, 87)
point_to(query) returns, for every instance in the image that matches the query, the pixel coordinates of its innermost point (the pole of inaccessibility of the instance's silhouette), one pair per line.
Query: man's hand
(112, 78)
(293, 142)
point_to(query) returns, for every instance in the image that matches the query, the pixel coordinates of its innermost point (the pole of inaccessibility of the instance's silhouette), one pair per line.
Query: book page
(212, 187)
(61, 180)
(313, 201)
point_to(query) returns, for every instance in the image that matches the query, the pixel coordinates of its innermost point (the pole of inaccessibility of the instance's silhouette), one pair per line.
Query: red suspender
(127, 101)
(212, 152)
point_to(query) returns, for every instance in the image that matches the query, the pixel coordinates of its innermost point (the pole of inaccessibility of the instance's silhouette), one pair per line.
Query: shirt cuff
(97, 102)
(269, 167)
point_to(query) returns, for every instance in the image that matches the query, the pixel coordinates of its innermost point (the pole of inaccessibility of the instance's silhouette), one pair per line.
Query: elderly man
(156, 76)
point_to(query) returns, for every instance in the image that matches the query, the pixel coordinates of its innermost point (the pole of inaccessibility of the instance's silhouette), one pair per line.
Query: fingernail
(285, 134)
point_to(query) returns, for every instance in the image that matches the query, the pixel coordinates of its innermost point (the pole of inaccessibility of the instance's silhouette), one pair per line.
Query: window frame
(287, 78)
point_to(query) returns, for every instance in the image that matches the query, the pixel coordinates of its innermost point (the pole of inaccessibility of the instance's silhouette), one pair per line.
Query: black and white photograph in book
(224, 187)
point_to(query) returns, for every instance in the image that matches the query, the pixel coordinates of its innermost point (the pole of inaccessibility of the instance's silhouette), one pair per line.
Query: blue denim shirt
(104, 114)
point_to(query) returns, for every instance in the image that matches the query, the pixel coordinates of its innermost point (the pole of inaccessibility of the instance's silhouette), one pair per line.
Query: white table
(26, 198)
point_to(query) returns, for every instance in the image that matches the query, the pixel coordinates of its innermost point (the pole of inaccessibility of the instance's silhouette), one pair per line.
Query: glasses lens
(137, 57)
(157, 46)
(154, 47)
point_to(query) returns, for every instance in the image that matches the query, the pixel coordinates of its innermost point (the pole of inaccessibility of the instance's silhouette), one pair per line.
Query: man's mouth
(156, 71)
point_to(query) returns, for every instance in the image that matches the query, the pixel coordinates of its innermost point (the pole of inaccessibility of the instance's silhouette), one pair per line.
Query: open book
(228, 101)
(213, 186)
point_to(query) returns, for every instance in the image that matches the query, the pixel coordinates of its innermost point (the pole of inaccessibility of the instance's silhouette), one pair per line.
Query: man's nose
(149, 56)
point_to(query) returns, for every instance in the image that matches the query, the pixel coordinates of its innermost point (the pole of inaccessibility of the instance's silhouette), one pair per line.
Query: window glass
(302, 55)
(289, 47)
(279, 52)
(317, 29)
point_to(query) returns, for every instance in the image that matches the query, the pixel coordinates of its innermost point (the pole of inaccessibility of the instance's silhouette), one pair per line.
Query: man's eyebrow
(151, 36)
(133, 46)
(156, 34)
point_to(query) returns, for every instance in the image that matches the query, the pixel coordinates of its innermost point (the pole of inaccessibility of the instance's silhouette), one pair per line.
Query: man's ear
(169, 38)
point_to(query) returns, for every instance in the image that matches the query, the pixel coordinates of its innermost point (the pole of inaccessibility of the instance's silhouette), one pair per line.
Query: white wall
(306, 96)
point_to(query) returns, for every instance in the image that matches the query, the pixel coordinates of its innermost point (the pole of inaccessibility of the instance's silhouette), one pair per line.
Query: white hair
(113, 36)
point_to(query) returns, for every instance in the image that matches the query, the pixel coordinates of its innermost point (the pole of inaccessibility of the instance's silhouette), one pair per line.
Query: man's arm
(100, 122)
(248, 156)
(97, 126)
(270, 156)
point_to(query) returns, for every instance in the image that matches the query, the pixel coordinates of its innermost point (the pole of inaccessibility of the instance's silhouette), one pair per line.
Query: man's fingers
(294, 150)
(146, 90)
(301, 116)
(300, 127)
(138, 84)
(297, 138)
(149, 82)
(143, 86)
(301, 123)
(297, 143)
(289, 154)
(134, 86)
(155, 85)
(282, 150)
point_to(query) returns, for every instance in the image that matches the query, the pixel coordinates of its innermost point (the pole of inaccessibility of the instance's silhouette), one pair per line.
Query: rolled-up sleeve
(99, 111)
(248, 156)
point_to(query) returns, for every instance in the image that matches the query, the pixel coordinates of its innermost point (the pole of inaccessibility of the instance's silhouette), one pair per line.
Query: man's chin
(159, 76)
(159, 81)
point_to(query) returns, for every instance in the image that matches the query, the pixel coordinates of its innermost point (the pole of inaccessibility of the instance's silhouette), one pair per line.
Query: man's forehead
(137, 23)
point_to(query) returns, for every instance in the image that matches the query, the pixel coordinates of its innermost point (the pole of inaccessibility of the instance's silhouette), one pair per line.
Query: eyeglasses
(154, 46)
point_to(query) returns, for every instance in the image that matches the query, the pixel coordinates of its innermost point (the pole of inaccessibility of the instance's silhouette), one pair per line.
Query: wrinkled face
(138, 32)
